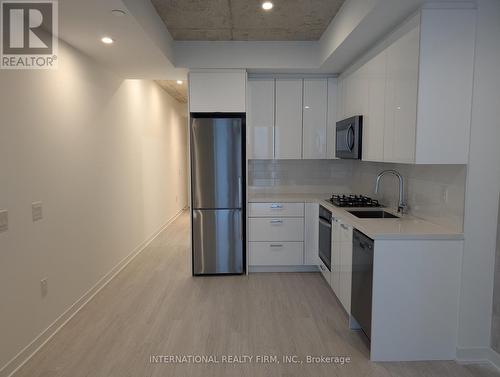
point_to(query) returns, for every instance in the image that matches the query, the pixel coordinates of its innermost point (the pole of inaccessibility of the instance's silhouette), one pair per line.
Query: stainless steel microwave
(348, 137)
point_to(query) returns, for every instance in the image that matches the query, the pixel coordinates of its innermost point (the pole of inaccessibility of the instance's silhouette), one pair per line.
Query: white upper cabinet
(315, 118)
(217, 91)
(291, 118)
(374, 74)
(332, 115)
(401, 99)
(415, 92)
(446, 71)
(288, 126)
(260, 119)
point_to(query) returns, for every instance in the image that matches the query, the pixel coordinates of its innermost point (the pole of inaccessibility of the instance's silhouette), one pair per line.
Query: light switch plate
(36, 210)
(4, 220)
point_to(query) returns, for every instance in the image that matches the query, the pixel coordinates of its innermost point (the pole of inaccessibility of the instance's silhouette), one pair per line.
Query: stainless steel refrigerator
(218, 193)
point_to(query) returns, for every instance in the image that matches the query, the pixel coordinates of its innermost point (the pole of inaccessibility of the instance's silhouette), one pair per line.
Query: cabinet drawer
(276, 209)
(276, 229)
(276, 253)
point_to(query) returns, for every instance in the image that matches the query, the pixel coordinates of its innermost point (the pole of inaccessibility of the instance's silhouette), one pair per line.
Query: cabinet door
(336, 250)
(354, 94)
(288, 128)
(401, 98)
(333, 113)
(215, 90)
(260, 119)
(345, 266)
(311, 234)
(341, 99)
(374, 112)
(315, 117)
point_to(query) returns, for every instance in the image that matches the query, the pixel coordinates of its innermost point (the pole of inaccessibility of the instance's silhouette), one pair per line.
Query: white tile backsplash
(299, 176)
(434, 192)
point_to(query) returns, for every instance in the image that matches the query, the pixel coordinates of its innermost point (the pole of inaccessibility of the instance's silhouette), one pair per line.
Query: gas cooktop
(351, 200)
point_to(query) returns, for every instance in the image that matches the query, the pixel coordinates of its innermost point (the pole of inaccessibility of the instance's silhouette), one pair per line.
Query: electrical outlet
(36, 211)
(44, 287)
(4, 220)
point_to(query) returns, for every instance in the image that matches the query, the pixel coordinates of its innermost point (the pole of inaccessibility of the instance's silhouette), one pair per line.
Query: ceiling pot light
(267, 5)
(179, 82)
(118, 12)
(107, 40)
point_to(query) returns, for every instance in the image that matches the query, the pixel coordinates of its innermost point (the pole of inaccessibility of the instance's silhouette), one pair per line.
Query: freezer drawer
(276, 253)
(217, 242)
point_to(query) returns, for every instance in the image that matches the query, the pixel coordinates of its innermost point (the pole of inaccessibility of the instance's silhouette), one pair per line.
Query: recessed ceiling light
(267, 5)
(118, 12)
(179, 82)
(107, 40)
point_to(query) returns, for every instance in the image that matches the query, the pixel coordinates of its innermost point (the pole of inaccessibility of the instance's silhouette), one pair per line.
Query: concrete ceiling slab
(244, 20)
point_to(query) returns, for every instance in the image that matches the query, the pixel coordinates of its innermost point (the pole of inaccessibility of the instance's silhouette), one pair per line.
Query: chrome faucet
(402, 206)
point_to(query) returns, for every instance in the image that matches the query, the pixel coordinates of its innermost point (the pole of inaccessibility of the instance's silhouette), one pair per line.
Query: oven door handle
(325, 223)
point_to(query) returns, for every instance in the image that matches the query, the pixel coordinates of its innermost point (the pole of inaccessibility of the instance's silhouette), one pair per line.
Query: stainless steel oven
(348, 138)
(325, 237)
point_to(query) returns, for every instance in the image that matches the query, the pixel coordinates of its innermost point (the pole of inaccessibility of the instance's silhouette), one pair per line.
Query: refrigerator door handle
(241, 225)
(240, 191)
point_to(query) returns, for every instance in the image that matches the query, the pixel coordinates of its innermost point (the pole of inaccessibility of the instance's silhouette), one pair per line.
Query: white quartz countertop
(405, 227)
(287, 198)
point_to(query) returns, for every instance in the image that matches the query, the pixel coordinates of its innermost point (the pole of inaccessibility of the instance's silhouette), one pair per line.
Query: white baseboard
(479, 355)
(31, 349)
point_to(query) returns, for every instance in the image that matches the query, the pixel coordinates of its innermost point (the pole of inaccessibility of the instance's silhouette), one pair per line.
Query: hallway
(155, 307)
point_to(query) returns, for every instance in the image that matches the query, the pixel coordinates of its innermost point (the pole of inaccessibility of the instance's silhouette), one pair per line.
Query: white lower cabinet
(335, 282)
(276, 229)
(340, 277)
(276, 253)
(345, 266)
(276, 234)
(276, 210)
(311, 234)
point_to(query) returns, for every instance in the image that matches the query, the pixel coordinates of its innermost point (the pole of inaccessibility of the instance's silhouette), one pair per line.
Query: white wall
(483, 184)
(106, 156)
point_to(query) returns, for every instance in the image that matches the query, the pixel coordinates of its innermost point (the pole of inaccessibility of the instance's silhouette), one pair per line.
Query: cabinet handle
(276, 245)
(276, 206)
(276, 221)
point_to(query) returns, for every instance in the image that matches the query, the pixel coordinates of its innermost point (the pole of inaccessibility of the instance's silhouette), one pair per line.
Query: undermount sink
(373, 215)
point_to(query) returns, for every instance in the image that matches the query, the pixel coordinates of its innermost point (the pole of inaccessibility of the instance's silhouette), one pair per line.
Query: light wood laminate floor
(155, 307)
